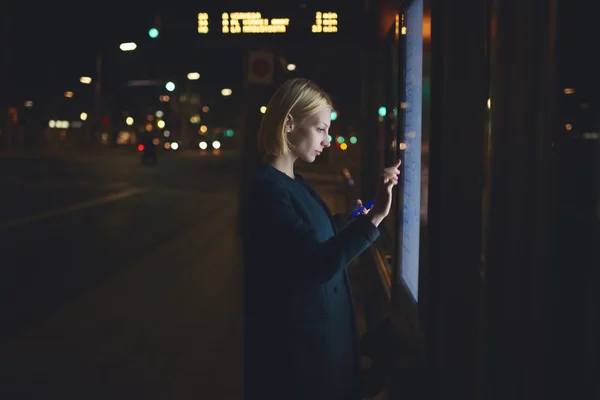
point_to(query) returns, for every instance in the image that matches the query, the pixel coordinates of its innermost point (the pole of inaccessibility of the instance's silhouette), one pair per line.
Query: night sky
(50, 45)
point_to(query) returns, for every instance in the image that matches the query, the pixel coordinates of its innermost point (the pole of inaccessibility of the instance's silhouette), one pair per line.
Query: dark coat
(300, 328)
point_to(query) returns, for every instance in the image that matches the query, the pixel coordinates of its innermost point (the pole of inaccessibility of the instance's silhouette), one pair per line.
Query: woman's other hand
(355, 206)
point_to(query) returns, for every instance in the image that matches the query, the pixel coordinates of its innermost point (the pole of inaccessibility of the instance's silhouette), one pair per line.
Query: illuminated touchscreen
(412, 173)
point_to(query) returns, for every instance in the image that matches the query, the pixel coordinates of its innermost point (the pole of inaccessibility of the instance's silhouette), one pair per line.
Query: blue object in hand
(360, 210)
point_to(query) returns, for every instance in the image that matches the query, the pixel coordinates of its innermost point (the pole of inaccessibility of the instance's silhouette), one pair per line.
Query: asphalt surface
(119, 280)
(123, 281)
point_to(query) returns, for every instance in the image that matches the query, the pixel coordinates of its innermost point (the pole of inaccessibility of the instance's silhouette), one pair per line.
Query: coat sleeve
(274, 217)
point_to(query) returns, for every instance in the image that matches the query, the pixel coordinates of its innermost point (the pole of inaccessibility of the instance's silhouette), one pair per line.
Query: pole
(96, 115)
(4, 71)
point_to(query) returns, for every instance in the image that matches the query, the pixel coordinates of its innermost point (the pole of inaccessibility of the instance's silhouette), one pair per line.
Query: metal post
(4, 71)
(96, 114)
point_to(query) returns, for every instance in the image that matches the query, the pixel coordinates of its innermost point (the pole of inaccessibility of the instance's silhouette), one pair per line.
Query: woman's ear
(289, 123)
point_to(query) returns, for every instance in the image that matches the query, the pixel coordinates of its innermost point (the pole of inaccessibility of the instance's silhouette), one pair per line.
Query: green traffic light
(353, 140)
(333, 115)
(382, 111)
(153, 33)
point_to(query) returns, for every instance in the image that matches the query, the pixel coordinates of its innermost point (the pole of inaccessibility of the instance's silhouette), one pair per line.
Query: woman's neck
(284, 164)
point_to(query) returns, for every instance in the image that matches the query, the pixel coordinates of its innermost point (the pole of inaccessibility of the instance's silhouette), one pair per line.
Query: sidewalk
(168, 326)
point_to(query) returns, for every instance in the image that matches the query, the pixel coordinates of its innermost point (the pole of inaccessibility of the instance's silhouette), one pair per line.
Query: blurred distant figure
(149, 153)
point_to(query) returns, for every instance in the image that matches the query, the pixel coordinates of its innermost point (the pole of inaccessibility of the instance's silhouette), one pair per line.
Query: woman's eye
(321, 130)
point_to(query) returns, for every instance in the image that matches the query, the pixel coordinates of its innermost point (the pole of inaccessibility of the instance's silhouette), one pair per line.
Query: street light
(129, 46)
(68, 94)
(291, 67)
(170, 86)
(263, 109)
(83, 116)
(193, 76)
(226, 92)
(86, 80)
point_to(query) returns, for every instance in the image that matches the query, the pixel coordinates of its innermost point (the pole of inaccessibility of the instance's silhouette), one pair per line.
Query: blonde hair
(299, 98)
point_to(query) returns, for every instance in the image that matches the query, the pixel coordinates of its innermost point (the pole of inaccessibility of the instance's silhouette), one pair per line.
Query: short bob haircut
(299, 98)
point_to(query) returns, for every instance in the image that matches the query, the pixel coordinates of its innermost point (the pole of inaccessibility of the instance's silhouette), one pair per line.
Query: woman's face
(310, 136)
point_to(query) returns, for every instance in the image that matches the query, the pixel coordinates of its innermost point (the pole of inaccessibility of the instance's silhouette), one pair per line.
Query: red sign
(261, 68)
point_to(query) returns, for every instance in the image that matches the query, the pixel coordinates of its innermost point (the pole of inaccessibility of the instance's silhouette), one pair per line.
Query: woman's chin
(309, 159)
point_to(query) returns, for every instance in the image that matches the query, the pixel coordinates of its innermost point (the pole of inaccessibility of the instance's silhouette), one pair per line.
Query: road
(123, 281)
(117, 280)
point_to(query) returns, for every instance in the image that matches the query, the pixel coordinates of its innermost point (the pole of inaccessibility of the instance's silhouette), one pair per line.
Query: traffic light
(382, 111)
(334, 115)
(153, 33)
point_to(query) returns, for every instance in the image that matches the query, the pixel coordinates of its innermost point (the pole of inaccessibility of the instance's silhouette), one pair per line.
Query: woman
(300, 328)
